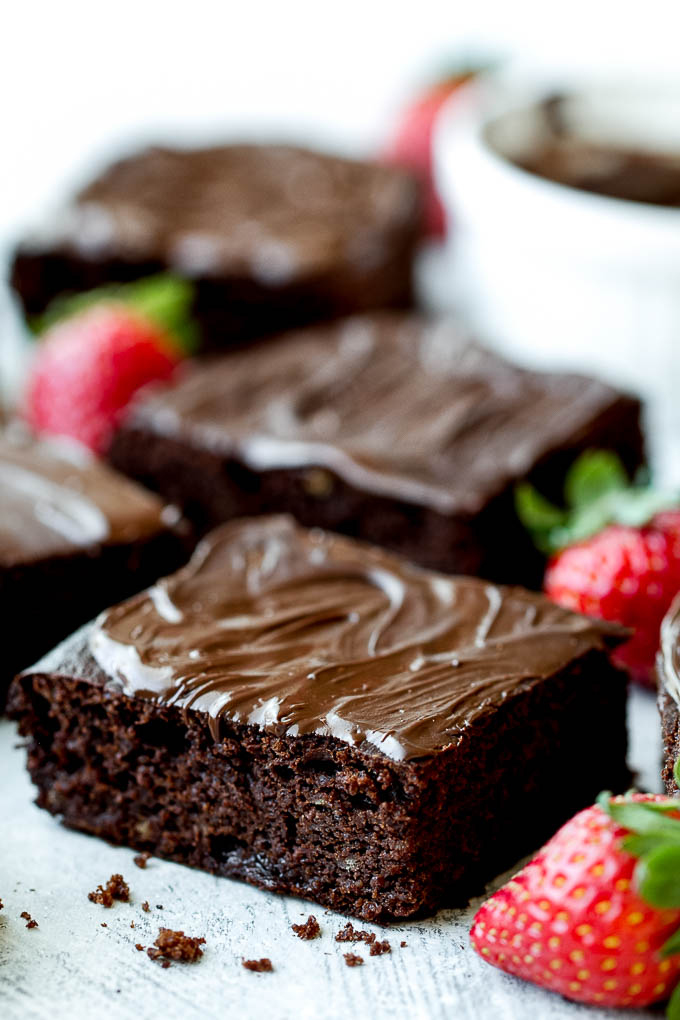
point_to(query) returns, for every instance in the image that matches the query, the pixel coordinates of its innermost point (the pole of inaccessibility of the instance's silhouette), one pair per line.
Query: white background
(76, 77)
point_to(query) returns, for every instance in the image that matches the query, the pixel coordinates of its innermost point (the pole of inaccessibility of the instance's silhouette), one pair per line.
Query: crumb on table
(115, 889)
(309, 930)
(30, 923)
(141, 859)
(352, 960)
(261, 966)
(350, 934)
(378, 948)
(175, 945)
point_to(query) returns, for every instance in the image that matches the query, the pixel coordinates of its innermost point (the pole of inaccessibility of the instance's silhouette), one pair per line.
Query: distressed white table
(72, 966)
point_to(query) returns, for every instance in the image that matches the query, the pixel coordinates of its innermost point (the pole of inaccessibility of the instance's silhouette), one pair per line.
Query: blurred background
(80, 83)
(77, 79)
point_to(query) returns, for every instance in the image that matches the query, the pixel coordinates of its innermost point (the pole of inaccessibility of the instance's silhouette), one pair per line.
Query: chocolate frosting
(392, 403)
(55, 499)
(307, 632)
(611, 170)
(274, 213)
(669, 655)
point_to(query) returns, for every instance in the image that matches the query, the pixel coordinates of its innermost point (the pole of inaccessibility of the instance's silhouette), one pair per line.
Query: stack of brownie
(296, 707)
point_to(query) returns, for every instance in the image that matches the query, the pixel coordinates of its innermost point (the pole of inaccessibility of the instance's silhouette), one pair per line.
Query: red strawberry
(618, 553)
(411, 144)
(630, 575)
(595, 915)
(89, 365)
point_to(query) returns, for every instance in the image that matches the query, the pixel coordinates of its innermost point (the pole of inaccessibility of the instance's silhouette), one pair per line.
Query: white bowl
(556, 276)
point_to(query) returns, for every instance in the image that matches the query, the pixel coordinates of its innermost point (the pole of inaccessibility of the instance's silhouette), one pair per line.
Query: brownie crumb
(104, 924)
(141, 859)
(311, 929)
(352, 960)
(1, 904)
(175, 945)
(139, 947)
(350, 934)
(115, 889)
(258, 966)
(378, 948)
(132, 924)
(403, 944)
(30, 923)
(145, 906)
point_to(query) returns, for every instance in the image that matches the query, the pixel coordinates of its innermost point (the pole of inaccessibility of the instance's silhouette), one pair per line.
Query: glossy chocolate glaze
(392, 403)
(307, 632)
(55, 499)
(274, 213)
(669, 654)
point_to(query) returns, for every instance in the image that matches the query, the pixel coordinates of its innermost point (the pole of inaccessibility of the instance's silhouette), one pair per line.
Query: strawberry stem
(655, 841)
(597, 492)
(163, 299)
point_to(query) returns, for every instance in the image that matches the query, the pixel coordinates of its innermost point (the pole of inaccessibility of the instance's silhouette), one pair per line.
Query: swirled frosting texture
(307, 632)
(669, 656)
(55, 499)
(392, 403)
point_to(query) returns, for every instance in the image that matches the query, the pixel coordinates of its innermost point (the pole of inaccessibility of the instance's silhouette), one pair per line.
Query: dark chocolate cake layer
(273, 236)
(387, 427)
(74, 536)
(318, 717)
(668, 676)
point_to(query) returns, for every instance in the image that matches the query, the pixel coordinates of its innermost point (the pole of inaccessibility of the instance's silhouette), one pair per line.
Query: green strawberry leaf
(658, 876)
(638, 846)
(163, 299)
(167, 301)
(593, 475)
(544, 520)
(597, 493)
(672, 945)
(662, 807)
(673, 1008)
(637, 817)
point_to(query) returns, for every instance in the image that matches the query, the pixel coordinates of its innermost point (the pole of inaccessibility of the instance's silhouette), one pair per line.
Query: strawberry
(411, 143)
(616, 552)
(90, 364)
(595, 915)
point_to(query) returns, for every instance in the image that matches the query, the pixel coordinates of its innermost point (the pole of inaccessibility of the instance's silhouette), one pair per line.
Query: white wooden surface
(70, 966)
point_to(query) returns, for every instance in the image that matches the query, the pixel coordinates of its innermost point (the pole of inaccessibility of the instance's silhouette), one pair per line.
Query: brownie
(74, 536)
(668, 676)
(388, 427)
(318, 717)
(273, 236)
